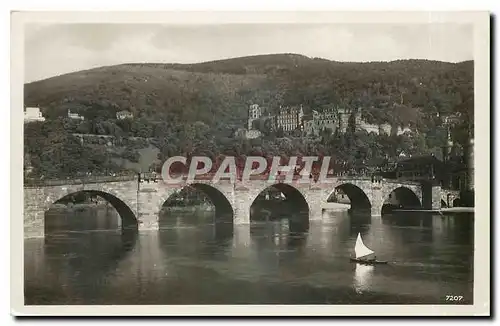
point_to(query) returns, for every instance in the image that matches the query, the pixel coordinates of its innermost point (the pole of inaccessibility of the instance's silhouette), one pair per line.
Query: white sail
(360, 249)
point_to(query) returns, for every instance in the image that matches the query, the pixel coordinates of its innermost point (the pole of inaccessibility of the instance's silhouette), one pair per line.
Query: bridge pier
(149, 204)
(241, 236)
(147, 221)
(431, 196)
(377, 200)
(34, 222)
(376, 210)
(315, 213)
(241, 216)
(243, 196)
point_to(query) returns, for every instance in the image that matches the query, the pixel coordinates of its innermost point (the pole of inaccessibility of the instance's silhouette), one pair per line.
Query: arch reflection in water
(408, 219)
(193, 232)
(76, 266)
(362, 278)
(91, 253)
(280, 206)
(83, 244)
(360, 222)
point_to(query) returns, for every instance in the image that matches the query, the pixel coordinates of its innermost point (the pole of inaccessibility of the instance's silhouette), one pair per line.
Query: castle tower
(446, 152)
(357, 119)
(254, 113)
(470, 156)
(449, 143)
(300, 119)
(301, 113)
(343, 119)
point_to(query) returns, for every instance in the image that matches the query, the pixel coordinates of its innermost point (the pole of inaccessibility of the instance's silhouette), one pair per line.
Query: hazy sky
(57, 49)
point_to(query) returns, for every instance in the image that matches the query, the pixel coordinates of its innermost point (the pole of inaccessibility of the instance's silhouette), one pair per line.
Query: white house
(405, 130)
(124, 115)
(33, 114)
(75, 116)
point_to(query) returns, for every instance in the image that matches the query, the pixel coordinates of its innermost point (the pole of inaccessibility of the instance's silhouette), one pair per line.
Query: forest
(196, 109)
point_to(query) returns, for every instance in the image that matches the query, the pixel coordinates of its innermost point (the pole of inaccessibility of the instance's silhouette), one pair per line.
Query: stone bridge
(139, 203)
(449, 197)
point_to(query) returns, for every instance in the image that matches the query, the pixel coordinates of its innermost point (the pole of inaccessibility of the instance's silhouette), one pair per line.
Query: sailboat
(363, 254)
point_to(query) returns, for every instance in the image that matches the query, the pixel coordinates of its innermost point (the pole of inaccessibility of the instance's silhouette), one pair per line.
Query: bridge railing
(409, 182)
(208, 176)
(84, 180)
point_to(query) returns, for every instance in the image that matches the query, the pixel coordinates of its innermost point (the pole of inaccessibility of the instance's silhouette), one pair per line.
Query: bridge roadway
(139, 202)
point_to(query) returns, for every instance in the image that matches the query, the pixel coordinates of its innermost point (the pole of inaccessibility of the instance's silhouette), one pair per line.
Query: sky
(55, 49)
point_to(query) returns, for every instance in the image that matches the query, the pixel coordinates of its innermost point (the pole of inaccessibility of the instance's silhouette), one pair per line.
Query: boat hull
(369, 262)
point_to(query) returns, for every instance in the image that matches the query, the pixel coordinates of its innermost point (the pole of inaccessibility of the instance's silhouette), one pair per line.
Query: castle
(286, 118)
(331, 119)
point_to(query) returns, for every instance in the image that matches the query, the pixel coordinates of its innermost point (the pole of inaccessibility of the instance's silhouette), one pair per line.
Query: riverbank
(79, 206)
(451, 210)
(457, 210)
(191, 208)
(336, 207)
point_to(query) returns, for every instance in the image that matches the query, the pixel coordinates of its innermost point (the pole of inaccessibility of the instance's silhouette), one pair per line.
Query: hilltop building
(404, 130)
(319, 121)
(28, 168)
(343, 116)
(289, 118)
(379, 129)
(33, 114)
(337, 119)
(286, 118)
(124, 115)
(247, 134)
(75, 116)
(254, 113)
(462, 173)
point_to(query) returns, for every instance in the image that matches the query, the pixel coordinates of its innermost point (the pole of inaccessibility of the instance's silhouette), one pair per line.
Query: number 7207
(454, 298)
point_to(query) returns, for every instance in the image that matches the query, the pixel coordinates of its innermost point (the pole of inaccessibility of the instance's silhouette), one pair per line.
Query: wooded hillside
(197, 107)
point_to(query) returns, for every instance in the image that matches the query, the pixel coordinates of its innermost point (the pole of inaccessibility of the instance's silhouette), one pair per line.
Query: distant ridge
(280, 58)
(225, 88)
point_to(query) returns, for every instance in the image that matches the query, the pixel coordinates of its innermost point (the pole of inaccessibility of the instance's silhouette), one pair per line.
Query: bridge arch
(127, 215)
(293, 205)
(401, 197)
(358, 198)
(223, 208)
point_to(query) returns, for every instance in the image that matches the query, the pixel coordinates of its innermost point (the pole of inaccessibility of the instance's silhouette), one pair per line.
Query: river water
(89, 260)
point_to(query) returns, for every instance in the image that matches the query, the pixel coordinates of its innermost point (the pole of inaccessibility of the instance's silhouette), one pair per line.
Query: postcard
(250, 163)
